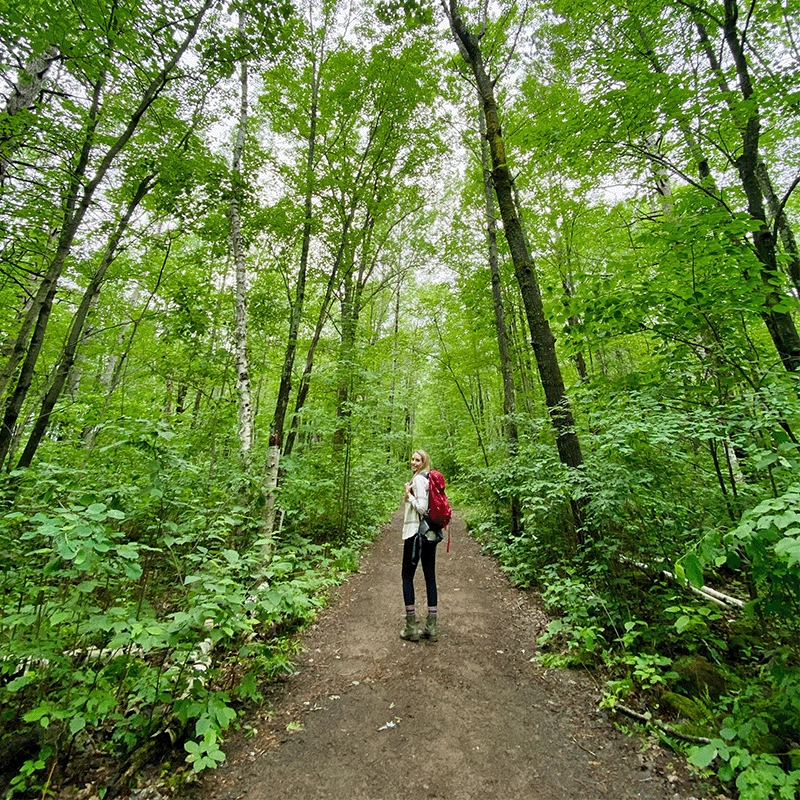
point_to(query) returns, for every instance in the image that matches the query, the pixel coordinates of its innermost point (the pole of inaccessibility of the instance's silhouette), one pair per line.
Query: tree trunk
(346, 365)
(64, 242)
(780, 324)
(24, 94)
(116, 373)
(781, 223)
(509, 391)
(285, 387)
(240, 268)
(268, 491)
(701, 162)
(305, 380)
(393, 383)
(541, 336)
(351, 311)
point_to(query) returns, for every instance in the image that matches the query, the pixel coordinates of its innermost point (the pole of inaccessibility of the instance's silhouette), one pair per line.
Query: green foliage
(144, 607)
(765, 547)
(578, 633)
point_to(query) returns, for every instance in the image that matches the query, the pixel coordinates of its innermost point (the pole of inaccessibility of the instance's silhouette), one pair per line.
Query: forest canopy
(254, 254)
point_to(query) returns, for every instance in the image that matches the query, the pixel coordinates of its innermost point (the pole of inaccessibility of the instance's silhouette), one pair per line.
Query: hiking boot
(430, 629)
(411, 631)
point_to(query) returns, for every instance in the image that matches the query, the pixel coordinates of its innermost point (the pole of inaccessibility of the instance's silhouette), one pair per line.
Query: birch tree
(240, 264)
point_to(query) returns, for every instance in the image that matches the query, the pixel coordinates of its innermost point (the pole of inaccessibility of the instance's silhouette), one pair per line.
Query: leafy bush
(145, 608)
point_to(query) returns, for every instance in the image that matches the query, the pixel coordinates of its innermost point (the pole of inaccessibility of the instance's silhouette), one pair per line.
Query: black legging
(428, 559)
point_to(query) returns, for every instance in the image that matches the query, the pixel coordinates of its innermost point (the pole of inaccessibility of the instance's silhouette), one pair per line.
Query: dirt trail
(370, 717)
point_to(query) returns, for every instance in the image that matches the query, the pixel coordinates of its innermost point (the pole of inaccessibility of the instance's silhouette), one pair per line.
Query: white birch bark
(25, 93)
(240, 266)
(268, 488)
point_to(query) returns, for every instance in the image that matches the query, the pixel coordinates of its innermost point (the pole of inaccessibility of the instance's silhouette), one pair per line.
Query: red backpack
(439, 512)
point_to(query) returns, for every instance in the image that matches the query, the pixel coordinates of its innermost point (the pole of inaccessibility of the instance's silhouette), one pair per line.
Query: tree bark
(781, 223)
(305, 380)
(701, 162)
(65, 236)
(353, 287)
(780, 324)
(393, 382)
(116, 372)
(269, 486)
(506, 370)
(25, 94)
(285, 387)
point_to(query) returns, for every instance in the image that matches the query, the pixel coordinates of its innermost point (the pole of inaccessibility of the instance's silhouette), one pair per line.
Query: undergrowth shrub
(140, 610)
(657, 504)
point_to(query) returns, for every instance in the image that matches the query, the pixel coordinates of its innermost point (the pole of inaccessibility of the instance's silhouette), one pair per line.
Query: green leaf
(789, 547)
(133, 570)
(703, 756)
(77, 723)
(682, 623)
(127, 551)
(66, 550)
(20, 683)
(694, 570)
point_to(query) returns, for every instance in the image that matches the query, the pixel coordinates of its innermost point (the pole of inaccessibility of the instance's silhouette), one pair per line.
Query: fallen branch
(724, 600)
(662, 726)
(706, 592)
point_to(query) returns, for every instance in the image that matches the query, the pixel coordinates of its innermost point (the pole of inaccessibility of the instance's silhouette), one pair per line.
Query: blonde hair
(426, 460)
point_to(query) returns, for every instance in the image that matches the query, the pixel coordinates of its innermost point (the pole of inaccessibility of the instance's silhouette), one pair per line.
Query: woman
(418, 549)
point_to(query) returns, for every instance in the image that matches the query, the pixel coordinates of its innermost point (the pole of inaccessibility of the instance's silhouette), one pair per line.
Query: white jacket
(416, 505)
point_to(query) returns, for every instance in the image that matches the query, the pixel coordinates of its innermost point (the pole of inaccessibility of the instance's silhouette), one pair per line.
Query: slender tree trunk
(63, 245)
(305, 380)
(271, 471)
(345, 367)
(663, 189)
(393, 384)
(509, 392)
(781, 223)
(353, 287)
(701, 162)
(464, 398)
(506, 370)
(542, 338)
(272, 467)
(117, 373)
(67, 359)
(572, 322)
(240, 268)
(285, 386)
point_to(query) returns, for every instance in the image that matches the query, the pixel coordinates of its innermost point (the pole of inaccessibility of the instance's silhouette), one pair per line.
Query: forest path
(467, 718)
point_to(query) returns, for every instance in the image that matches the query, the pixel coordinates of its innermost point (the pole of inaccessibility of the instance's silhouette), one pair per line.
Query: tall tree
(542, 339)
(240, 264)
(504, 351)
